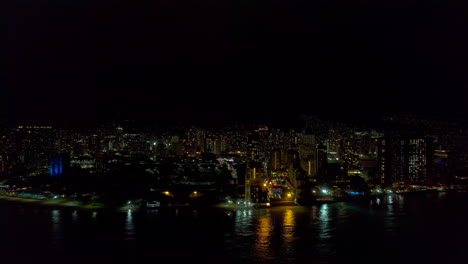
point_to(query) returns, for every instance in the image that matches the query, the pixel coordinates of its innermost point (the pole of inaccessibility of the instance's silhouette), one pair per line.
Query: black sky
(216, 60)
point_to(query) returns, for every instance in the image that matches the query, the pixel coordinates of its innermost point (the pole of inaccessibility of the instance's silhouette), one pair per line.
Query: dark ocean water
(423, 228)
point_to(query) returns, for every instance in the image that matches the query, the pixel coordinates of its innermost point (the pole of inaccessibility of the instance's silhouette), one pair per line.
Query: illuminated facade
(416, 165)
(275, 159)
(56, 167)
(36, 144)
(404, 160)
(308, 154)
(389, 162)
(457, 157)
(9, 152)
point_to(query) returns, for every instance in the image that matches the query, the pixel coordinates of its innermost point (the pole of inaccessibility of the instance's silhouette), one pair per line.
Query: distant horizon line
(296, 121)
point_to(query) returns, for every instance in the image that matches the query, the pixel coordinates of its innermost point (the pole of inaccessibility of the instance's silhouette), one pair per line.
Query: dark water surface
(423, 228)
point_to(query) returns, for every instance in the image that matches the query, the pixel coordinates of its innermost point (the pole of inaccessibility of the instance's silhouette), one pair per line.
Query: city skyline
(231, 131)
(389, 147)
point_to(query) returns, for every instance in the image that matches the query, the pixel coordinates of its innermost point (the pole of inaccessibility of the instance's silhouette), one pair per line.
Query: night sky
(216, 60)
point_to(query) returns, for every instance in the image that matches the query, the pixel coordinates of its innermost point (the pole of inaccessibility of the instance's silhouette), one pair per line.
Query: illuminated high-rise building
(9, 152)
(308, 154)
(321, 161)
(256, 144)
(275, 159)
(457, 157)
(56, 167)
(36, 145)
(404, 160)
(417, 158)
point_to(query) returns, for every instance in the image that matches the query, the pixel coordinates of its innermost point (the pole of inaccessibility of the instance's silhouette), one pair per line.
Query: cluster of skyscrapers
(400, 151)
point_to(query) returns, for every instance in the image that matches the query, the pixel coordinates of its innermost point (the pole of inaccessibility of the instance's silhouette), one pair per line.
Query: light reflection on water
(129, 226)
(75, 216)
(288, 246)
(243, 222)
(390, 199)
(314, 214)
(262, 243)
(327, 233)
(324, 222)
(153, 212)
(57, 234)
(391, 215)
(56, 216)
(289, 226)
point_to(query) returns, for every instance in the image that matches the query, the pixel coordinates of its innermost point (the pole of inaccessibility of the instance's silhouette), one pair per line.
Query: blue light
(56, 166)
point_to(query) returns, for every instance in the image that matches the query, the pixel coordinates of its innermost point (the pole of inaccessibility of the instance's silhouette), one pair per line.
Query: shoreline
(62, 203)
